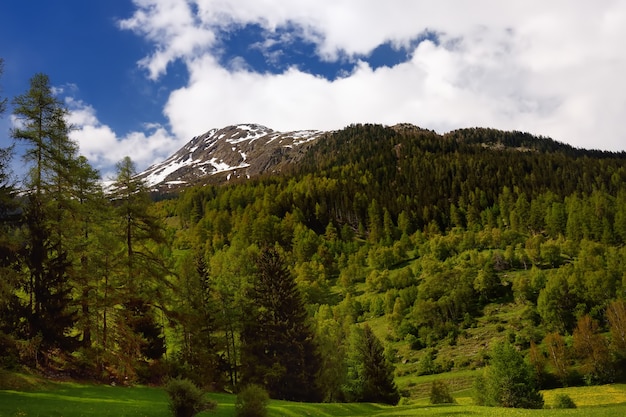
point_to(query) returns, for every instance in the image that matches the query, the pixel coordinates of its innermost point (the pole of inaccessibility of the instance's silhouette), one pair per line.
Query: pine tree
(278, 350)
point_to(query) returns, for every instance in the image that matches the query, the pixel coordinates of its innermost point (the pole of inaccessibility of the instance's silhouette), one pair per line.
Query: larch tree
(9, 245)
(195, 308)
(50, 154)
(141, 282)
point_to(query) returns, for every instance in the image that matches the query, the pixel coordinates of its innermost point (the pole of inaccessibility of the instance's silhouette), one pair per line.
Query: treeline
(424, 174)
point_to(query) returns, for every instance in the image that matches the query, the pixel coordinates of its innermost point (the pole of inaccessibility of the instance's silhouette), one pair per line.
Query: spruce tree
(278, 350)
(370, 375)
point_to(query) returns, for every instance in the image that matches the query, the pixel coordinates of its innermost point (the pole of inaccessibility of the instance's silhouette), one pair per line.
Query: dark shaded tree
(278, 349)
(195, 308)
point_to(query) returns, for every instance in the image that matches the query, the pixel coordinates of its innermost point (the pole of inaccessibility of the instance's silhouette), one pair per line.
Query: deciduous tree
(50, 155)
(508, 381)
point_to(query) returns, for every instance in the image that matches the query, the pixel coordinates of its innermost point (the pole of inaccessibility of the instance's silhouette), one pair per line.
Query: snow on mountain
(240, 151)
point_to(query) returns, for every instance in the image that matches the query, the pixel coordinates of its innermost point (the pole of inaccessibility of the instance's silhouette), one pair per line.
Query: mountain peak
(236, 151)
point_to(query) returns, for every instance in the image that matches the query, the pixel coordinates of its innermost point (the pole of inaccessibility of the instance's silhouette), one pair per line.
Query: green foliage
(47, 213)
(564, 401)
(432, 236)
(252, 401)
(277, 324)
(370, 375)
(440, 393)
(508, 381)
(186, 399)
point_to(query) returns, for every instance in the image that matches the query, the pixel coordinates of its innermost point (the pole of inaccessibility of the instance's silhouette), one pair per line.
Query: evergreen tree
(91, 211)
(50, 153)
(278, 350)
(370, 375)
(332, 348)
(9, 244)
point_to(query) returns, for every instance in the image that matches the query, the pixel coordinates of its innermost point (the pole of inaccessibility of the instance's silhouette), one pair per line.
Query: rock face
(220, 155)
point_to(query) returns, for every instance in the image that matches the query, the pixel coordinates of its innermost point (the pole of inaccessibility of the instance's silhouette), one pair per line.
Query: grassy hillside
(74, 400)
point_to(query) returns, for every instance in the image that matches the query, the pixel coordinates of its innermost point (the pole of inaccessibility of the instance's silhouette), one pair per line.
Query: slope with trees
(383, 245)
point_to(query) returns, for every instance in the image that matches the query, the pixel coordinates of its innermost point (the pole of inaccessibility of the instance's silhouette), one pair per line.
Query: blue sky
(142, 77)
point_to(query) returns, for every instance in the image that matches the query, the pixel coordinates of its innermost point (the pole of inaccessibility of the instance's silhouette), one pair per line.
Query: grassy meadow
(26, 396)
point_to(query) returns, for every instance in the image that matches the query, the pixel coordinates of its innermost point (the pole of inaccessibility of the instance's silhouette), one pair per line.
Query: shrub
(252, 402)
(9, 354)
(440, 393)
(564, 401)
(186, 399)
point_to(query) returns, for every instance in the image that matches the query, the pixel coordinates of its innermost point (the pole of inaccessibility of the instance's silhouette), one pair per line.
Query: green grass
(77, 400)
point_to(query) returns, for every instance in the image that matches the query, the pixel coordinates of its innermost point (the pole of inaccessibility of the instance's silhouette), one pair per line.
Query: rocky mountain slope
(219, 155)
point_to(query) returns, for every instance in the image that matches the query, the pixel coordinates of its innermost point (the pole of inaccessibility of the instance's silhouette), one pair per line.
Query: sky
(143, 77)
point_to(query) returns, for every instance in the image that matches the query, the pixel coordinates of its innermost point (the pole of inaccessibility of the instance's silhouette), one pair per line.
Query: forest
(382, 247)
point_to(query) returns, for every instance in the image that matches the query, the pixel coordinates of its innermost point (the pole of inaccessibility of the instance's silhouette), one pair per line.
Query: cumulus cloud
(104, 148)
(550, 68)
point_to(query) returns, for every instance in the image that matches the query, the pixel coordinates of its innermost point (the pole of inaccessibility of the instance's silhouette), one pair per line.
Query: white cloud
(104, 148)
(551, 68)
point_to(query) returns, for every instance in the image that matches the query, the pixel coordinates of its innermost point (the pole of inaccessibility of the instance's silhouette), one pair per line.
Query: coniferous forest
(382, 248)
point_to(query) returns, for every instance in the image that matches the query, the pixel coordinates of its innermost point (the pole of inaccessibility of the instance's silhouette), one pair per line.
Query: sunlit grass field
(74, 400)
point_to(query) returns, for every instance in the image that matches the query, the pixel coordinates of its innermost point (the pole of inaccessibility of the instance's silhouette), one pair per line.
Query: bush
(440, 393)
(9, 353)
(252, 402)
(564, 401)
(186, 399)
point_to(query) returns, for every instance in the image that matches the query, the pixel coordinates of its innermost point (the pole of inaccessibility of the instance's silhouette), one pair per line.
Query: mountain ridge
(243, 151)
(232, 152)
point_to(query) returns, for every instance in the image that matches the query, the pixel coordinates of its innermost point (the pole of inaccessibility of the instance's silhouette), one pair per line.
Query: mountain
(248, 150)
(219, 155)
